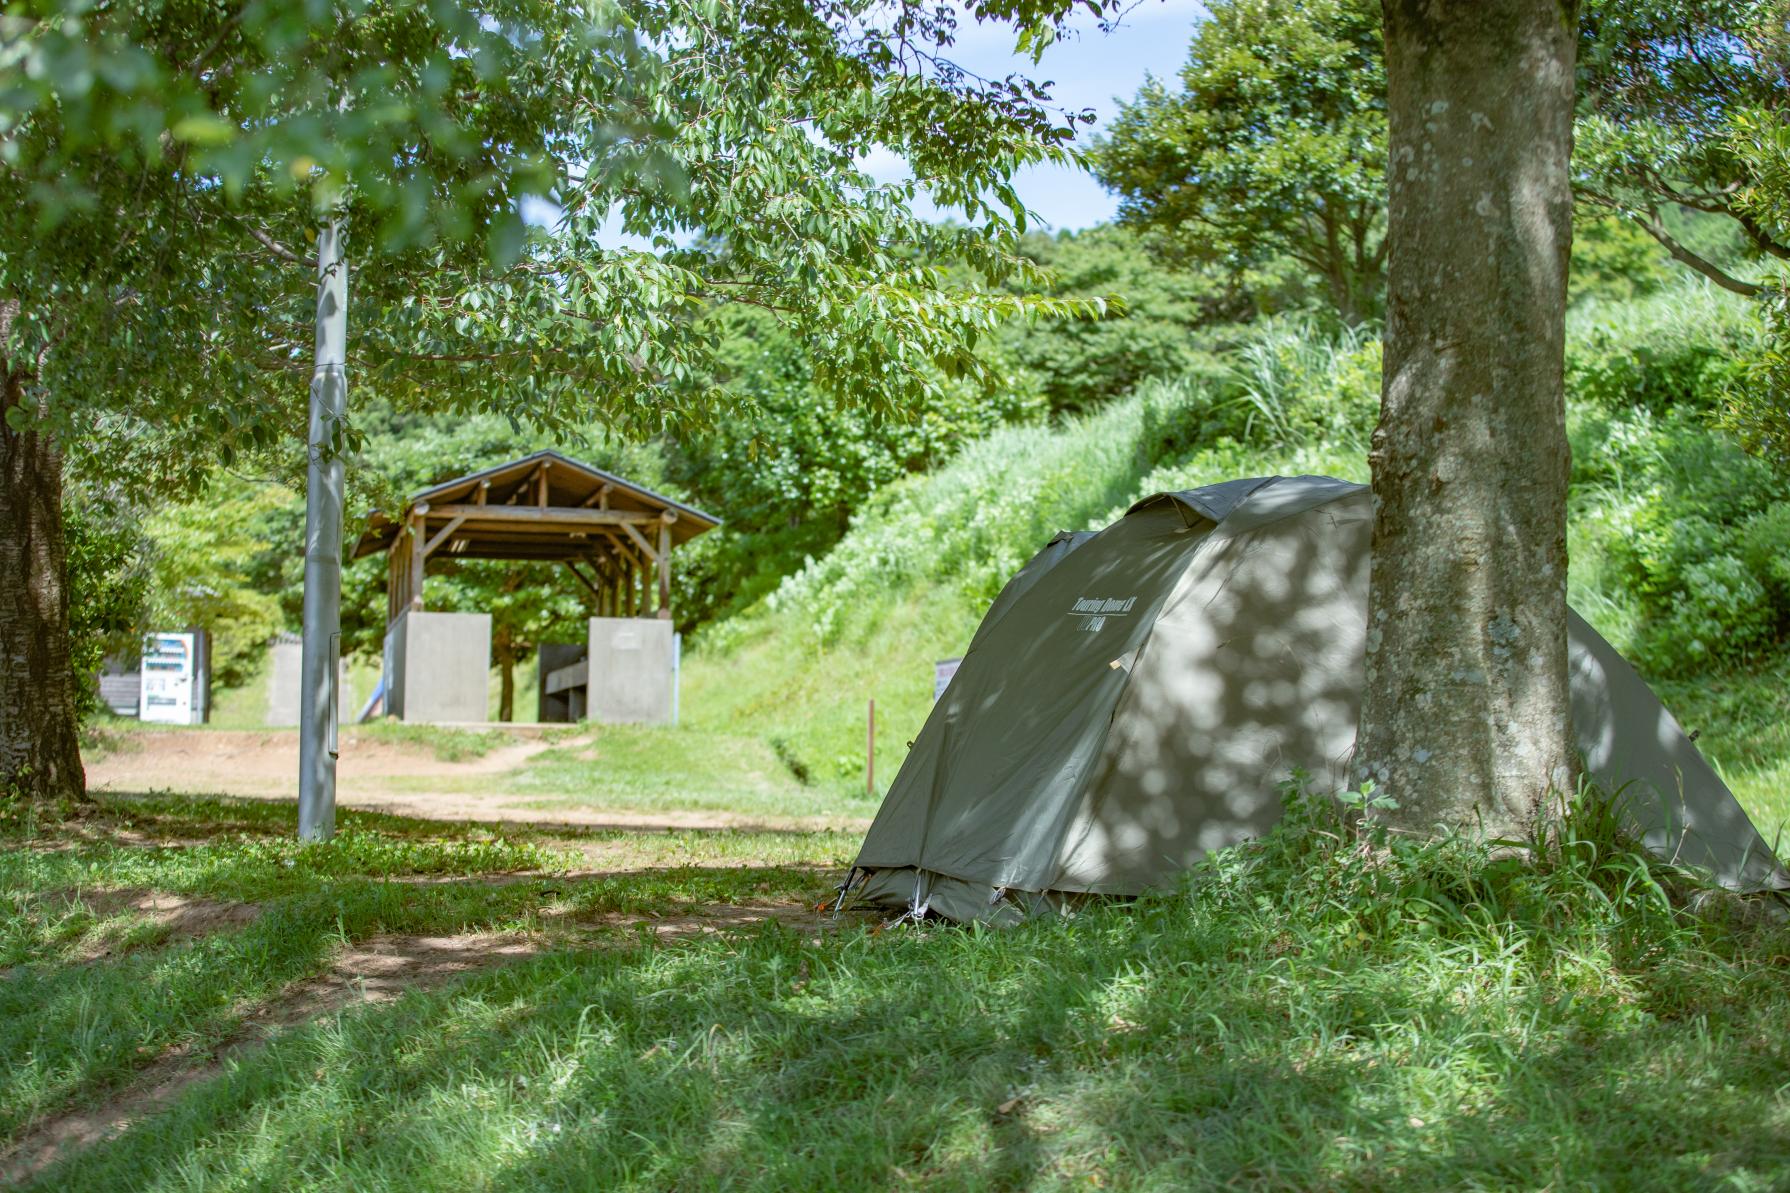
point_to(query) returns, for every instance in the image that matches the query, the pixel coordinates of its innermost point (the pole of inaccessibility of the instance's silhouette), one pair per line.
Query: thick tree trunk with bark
(40, 754)
(1465, 716)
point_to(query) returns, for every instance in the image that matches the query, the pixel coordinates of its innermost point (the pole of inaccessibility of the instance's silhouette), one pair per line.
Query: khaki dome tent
(1135, 697)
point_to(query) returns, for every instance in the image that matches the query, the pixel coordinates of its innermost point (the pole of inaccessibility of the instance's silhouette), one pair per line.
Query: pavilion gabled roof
(542, 506)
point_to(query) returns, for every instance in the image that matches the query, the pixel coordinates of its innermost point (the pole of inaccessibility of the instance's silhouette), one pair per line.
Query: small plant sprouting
(1364, 799)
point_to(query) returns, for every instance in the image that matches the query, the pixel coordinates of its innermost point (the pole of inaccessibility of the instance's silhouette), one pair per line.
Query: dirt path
(263, 764)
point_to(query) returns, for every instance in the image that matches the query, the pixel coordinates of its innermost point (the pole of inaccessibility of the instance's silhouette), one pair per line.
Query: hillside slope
(909, 582)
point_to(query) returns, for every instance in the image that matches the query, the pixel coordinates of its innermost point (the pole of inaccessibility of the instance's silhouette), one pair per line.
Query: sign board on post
(942, 672)
(173, 679)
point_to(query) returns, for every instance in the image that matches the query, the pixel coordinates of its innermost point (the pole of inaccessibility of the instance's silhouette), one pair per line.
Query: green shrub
(1765, 546)
(1691, 528)
(1301, 385)
(108, 588)
(1721, 611)
(1683, 347)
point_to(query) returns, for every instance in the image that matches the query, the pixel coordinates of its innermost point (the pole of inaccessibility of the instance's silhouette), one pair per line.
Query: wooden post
(391, 583)
(665, 567)
(870, 751)
(417, 559)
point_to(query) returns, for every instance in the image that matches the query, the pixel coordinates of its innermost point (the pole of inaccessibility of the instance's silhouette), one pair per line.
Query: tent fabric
(1136, 697)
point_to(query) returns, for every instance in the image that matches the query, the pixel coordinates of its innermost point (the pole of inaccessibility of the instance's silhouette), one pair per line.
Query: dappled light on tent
(1137, 698)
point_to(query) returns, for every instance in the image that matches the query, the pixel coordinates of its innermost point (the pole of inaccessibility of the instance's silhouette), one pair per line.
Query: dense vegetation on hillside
(1678, 536)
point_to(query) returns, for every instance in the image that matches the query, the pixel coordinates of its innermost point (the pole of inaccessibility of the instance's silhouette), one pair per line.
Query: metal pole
(318, 711)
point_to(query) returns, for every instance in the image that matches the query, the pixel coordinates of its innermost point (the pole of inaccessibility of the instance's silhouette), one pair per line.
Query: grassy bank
(1676, 538)
(1310, 1015)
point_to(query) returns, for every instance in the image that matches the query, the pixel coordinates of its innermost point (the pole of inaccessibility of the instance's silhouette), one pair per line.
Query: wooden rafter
(554, 515)
(646, 548)
(442, 535)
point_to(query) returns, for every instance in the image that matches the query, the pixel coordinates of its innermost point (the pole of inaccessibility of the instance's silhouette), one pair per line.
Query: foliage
(910, 579)
(203, 572)
(788, 476)
(1311, 1011)
(1273, 145)
(1757, 409)
(972, 525)
(108, 589)
(1613, 260)
(731, 128)
(1686, 346)
(1301, 385)
(1685, 111)
(907, 583)
(1165, 327)
(1673, 97)
(1687, 520)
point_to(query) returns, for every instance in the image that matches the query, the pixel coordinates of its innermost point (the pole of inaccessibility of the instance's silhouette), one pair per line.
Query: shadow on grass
(73, 1028)
(1127, 1049)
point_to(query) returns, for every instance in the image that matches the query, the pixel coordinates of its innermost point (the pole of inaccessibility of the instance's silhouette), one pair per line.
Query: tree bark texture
(1465, 716)
(40, 753)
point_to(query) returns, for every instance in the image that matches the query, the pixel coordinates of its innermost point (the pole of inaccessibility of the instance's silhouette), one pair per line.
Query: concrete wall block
(439, 666)
(632, 672)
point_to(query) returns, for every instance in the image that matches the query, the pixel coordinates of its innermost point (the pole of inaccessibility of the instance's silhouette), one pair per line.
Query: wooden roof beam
(441, 536)
(573, 568)
(646, 548)
(559, 515)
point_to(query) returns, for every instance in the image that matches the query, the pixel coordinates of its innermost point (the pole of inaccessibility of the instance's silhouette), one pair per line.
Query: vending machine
(175, 678)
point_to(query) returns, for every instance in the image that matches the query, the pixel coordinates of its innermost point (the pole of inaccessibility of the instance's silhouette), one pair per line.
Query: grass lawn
(681, 768)
(1311, 1015)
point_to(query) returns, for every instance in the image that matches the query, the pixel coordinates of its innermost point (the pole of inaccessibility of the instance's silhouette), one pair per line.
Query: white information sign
(172, 687)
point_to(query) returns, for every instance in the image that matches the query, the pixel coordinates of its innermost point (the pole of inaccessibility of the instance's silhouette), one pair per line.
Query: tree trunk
(40, 754)
(1465, 716)
(506, 684)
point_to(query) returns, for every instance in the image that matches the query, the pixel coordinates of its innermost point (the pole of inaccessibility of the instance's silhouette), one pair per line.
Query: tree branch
(1650, 224)
(1760, 236)
(275, 247)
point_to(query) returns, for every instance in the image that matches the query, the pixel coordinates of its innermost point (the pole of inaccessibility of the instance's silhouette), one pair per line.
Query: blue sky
(1088, 69)
(1092, 70)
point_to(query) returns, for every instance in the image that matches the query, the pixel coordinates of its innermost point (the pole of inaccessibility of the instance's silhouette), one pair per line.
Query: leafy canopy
(181, 154)
(1273, 145)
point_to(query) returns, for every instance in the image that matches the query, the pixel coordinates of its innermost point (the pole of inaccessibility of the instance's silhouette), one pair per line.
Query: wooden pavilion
(544, 506)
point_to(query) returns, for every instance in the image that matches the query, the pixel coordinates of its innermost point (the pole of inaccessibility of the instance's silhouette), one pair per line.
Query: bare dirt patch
(376, 775)
(264, 763)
